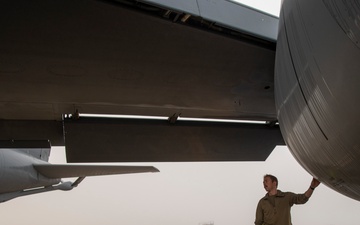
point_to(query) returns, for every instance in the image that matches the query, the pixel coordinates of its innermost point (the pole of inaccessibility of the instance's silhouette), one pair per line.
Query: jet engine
(317, 89)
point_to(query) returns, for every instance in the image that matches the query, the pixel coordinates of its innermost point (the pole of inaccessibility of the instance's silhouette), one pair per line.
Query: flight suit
(275, 210)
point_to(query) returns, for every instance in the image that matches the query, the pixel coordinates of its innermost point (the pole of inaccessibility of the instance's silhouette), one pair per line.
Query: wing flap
(144, 140)
(68, 170)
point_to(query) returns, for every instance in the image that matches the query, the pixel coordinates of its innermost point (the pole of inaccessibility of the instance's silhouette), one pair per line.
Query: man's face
(268, 184)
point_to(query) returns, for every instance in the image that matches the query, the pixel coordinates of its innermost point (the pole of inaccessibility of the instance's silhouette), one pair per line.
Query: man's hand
(314, 183)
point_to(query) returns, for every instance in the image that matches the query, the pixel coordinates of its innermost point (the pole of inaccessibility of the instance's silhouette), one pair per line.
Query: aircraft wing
(68, 170)
(199, 59)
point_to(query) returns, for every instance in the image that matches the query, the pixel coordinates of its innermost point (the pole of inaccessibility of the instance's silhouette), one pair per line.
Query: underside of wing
(118, 58)
(147, 58)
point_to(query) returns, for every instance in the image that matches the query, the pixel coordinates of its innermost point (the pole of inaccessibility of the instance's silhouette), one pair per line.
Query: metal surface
(108, 57)
(134, 140)
(317, 89)
(24, 170)
(32, 130)
(229, 14)
(21, 144)
(128, 57)
(66, 170)
(17, 172)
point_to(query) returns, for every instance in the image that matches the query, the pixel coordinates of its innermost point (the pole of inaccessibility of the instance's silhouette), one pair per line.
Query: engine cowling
(317, 89)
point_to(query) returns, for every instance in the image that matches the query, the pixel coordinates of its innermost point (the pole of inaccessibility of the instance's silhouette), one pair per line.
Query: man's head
(270, 183)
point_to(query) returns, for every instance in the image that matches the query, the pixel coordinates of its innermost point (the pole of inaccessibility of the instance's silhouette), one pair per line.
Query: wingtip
(155, 170)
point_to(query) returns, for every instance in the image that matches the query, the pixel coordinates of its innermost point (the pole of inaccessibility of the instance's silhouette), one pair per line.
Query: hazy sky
(183, 193)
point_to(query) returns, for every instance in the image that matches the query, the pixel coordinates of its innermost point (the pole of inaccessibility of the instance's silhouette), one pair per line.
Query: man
(274, 208)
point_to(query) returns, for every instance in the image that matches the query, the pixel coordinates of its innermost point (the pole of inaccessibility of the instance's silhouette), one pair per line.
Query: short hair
(272, 178)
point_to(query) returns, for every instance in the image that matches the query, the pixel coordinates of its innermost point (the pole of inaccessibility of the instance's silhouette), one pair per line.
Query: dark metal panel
(25, 144)
(130, 140)
(32, 130)
(110, 58)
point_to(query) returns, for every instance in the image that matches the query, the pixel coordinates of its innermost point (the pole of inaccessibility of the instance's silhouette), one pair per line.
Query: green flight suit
(275, 210)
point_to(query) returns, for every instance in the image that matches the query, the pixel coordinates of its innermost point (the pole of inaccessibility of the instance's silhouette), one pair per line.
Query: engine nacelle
(317, 89)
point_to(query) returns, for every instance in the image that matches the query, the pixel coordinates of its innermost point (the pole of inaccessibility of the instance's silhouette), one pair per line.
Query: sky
(222, 193)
